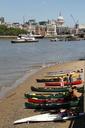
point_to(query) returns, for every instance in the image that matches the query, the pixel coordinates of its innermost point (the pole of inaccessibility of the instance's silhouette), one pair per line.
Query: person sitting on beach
(80, 97)
(75, 92)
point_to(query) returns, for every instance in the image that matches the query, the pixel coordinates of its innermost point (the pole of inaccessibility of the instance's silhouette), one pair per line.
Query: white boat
(54, 39)
(47, 117)
(25, 39)
(18, 40)
(38, 36)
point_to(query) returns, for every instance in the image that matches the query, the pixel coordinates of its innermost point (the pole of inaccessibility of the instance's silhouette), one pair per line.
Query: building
(60, 21)
(60, 28)
(51, 30)
(81, 30)
(40, 29)
(2, 21)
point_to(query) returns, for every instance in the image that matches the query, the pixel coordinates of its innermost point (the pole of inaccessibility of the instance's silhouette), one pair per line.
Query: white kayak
(47, 117)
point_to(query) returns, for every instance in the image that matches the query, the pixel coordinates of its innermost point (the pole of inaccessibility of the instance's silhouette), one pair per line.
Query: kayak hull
(47, 89)
(36, 100)
(51, 105)
(49, 96)
(65, 83)
(48, 117)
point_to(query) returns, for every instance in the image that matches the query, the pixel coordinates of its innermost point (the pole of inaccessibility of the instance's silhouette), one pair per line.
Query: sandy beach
(12, 106)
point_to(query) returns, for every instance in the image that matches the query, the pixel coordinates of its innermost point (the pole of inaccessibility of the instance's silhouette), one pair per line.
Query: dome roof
(60, 18)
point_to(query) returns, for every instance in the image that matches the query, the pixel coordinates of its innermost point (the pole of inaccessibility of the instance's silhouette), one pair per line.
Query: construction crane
(76, 22)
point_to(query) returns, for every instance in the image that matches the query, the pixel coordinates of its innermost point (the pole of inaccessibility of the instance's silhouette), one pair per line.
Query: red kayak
(65, 83)
(36, 100)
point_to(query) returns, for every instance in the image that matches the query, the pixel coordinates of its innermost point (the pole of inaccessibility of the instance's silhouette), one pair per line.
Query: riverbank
(12, 106)
(9, 37)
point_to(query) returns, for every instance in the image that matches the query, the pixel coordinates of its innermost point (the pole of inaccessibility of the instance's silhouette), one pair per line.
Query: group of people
(69, 78)
(74, 93)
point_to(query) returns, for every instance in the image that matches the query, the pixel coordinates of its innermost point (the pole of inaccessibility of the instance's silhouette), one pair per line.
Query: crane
(76, 22)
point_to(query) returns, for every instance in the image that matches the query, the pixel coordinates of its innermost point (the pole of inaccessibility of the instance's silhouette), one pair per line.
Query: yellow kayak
(74, 74)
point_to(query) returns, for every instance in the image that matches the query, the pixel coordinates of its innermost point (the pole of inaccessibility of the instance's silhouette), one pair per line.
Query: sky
(42, 10)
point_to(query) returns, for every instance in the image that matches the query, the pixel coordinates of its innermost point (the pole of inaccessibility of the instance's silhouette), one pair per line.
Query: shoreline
(5, 90)
(3, 37)
(12, 106)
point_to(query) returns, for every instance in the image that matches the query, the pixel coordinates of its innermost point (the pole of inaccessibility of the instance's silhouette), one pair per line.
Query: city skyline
(15, 11)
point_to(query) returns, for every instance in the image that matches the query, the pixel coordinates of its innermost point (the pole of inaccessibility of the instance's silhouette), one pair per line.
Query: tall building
(60, 20)
(60, 24)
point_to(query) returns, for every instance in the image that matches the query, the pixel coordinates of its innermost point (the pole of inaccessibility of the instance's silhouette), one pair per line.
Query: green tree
(11, 31)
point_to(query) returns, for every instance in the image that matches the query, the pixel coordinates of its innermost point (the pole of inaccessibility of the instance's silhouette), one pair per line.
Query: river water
(17, 61)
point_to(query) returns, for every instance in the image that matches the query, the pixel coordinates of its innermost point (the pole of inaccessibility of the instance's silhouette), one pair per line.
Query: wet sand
(12, 106)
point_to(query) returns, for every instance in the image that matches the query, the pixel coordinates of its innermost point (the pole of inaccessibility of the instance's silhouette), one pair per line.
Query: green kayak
(51, 105)
(46, 96)
(47, 89)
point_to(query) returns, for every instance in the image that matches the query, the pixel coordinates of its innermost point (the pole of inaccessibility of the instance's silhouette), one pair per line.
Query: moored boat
(38, 36)
(18, 40)
(47, 80)
(49, 117)
(55, 76)
(25, 39)
(51, 105)
(76, 82)
(46, 96)
(36, 100)
(43, 89)
(63, 74)
(54, 39)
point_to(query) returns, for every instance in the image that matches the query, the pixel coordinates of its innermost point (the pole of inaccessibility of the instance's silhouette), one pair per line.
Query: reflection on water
(17, 60)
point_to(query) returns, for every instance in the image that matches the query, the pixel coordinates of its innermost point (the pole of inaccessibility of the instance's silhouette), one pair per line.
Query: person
(67, 78)
(79, 77)
(80, 97)
(81, 70)
(61, 82)
(75, 92)
(70, 78)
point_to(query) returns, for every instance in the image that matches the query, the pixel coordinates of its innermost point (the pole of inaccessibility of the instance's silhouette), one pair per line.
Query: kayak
(65, 83)
(47, 117)
(51, 105)
(54, 74)
(62, 72)
(43, 89)
(46, 96)
(54, 77)
(39, 101)
(47, 80)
